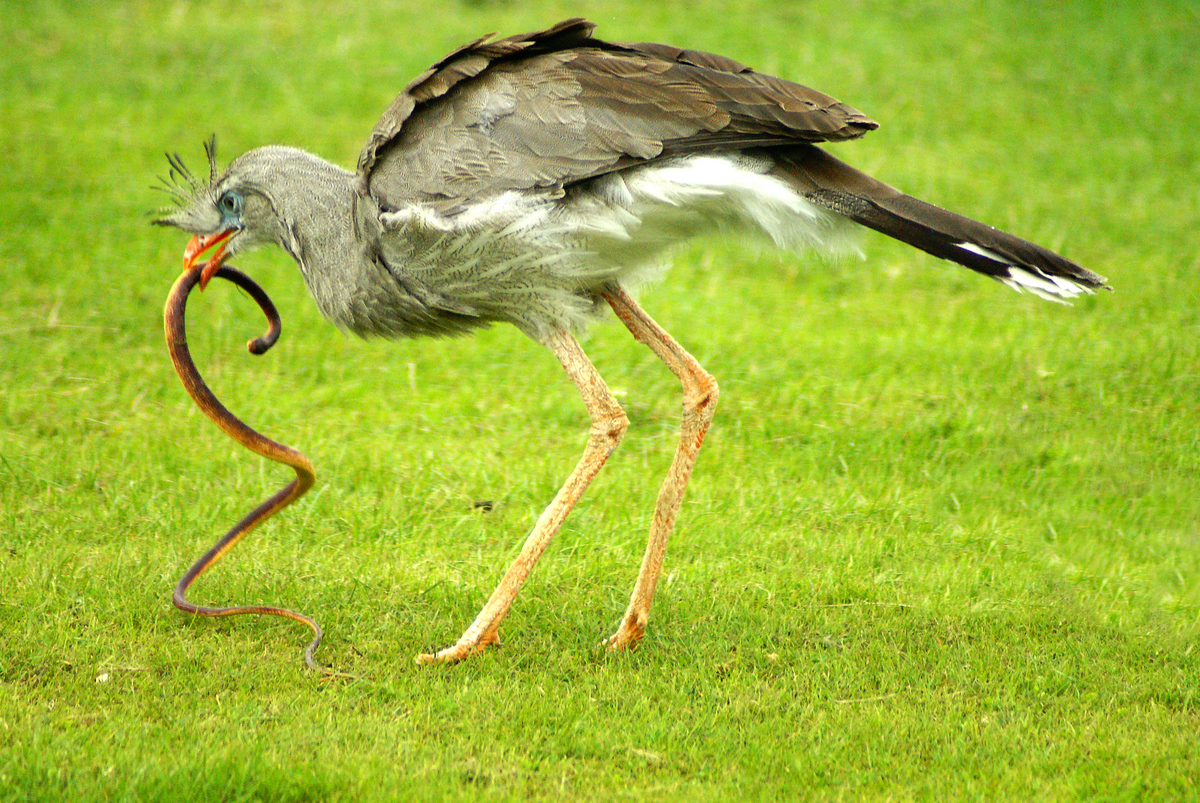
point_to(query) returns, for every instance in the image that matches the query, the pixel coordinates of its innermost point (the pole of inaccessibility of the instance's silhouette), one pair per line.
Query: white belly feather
(537, 258)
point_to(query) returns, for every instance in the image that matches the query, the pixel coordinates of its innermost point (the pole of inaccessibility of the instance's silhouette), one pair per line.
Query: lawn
(943, 541)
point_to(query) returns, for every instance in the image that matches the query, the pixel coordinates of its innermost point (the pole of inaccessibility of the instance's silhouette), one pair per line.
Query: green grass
(944, 541)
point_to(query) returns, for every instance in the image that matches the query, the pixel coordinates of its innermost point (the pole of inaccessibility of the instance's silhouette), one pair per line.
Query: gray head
(312, 210)
(258, 199)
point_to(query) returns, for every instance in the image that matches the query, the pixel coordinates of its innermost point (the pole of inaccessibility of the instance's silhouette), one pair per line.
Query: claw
(461, 651)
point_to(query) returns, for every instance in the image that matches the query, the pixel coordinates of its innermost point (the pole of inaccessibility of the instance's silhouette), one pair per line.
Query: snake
(174, 315)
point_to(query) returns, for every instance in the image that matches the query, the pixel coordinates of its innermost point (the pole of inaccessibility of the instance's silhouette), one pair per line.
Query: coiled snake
(176, 332)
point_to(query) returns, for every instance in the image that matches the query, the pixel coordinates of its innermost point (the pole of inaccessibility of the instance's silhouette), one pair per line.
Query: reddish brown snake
(176, 332)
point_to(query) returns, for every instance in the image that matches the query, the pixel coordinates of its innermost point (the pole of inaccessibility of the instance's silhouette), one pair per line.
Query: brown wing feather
(835, 185)
(553, 107)
(459, 65)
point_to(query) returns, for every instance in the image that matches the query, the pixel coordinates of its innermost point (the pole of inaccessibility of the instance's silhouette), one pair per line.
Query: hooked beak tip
(198, 245)
(207, 272)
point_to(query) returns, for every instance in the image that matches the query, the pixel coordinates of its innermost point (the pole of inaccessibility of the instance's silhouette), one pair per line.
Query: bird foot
(627, 637)
(464, 649)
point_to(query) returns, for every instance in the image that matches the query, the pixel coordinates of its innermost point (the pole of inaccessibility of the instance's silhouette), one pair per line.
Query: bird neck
(327, 226)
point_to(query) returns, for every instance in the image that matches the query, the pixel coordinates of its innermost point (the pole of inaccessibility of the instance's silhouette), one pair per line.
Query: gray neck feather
(331, 231)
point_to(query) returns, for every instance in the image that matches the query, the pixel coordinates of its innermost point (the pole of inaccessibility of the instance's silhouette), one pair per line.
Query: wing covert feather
(550, 108)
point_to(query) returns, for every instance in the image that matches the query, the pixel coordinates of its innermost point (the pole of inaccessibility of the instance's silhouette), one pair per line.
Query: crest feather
(182, 184)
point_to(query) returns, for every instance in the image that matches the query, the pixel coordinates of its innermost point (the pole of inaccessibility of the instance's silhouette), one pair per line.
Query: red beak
(199, 245)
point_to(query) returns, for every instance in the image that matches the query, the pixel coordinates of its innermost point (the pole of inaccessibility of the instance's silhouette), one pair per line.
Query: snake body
(176, 333)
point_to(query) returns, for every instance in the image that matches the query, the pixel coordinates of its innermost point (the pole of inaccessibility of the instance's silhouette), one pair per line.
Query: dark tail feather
(1022, 265)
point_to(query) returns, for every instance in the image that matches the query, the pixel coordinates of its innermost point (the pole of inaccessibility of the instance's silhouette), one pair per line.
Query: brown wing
(554, 107)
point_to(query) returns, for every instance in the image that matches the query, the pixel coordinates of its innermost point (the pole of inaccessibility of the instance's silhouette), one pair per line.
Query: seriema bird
(533, 180)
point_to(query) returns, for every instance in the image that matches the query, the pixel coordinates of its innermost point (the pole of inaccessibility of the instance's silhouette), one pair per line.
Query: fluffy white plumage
(538, 250)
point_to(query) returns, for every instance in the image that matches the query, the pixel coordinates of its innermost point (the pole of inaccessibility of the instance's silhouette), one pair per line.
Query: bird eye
(230, 203)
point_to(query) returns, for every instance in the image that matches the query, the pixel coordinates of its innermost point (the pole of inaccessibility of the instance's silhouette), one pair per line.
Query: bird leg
(699, 405)
(608, 425)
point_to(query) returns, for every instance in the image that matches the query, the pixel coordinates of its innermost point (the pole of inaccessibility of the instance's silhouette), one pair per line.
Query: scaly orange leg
(699, 405)
(608, 425)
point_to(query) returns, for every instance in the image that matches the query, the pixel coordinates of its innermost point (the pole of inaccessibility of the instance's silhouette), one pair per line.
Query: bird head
(227, 214)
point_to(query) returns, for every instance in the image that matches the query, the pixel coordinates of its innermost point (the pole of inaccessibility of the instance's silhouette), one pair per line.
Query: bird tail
(1022, 265)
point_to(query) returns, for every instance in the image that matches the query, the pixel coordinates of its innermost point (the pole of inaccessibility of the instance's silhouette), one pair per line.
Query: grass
(942, 542)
